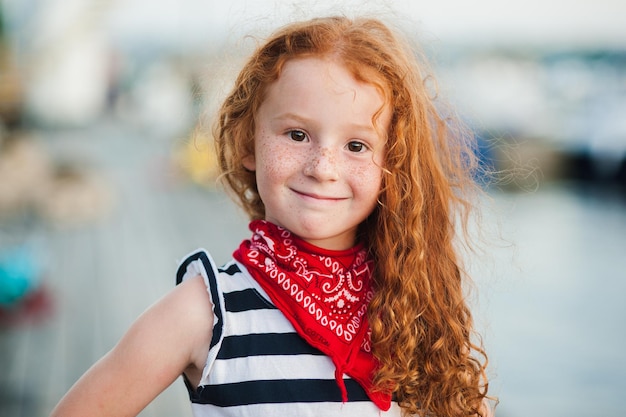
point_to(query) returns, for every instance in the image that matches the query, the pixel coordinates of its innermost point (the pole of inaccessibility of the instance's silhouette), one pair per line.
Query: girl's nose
(322, 165)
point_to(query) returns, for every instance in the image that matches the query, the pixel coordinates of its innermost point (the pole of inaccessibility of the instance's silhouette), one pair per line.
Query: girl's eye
(356, 147)
(297, 135)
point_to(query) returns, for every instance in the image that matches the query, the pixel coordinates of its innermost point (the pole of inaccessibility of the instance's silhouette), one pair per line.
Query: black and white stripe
(258, 364)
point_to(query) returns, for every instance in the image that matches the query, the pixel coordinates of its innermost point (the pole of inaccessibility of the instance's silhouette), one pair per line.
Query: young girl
(348, 298)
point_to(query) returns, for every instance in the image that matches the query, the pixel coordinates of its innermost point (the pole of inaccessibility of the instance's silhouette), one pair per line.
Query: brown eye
(356, 147)
(297, 135)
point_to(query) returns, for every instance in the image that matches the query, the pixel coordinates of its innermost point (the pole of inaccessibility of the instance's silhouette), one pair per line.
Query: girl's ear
(249, 162)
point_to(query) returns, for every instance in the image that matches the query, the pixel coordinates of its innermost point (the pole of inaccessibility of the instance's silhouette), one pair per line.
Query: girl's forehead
(323, 94)
(359, 71)
(337, 73)
(314, 76)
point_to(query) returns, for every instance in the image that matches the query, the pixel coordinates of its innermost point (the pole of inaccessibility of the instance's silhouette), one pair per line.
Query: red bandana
(323, 293)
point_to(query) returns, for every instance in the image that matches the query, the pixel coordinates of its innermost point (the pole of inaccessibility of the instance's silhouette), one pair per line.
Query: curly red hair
(422, 328)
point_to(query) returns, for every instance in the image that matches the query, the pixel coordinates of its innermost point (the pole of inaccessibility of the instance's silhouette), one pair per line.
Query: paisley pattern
(323, 293)
(333, 294)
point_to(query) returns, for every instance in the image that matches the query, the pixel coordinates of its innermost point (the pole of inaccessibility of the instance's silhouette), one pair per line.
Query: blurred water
(553, 304)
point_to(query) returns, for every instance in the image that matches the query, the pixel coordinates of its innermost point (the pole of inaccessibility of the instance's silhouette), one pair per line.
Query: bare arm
(170, 337)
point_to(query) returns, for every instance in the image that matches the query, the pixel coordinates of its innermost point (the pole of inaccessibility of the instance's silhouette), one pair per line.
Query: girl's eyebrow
(366, 128)
(291, 116)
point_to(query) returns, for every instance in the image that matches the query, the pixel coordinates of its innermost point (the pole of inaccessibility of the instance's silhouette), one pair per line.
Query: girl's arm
(170, 337)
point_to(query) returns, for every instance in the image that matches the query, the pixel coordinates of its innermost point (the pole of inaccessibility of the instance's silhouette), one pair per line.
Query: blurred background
(103, 189)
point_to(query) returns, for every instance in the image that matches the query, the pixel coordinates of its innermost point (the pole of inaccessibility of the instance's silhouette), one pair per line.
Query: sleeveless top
(257, 364)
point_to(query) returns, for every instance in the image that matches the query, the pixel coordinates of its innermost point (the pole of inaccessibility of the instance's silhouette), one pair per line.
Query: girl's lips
(317, 196)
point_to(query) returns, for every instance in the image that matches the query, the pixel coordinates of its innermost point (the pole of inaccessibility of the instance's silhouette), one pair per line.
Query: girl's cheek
(279, 159)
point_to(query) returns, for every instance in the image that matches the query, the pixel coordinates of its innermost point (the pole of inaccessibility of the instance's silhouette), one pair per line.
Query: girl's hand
(172, 336)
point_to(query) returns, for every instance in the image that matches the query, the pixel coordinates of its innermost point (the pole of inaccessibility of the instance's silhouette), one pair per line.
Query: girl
(347, 299)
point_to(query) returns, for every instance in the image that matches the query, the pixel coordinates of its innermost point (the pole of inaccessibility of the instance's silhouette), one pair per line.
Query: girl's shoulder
(230, 277)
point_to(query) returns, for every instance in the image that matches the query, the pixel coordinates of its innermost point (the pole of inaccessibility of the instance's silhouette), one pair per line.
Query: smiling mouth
(318, 197)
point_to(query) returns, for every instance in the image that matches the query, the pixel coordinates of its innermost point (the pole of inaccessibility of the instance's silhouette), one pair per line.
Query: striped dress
(257, 364)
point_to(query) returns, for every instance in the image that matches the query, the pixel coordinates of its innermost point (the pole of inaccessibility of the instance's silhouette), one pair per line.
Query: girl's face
(318, 156)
